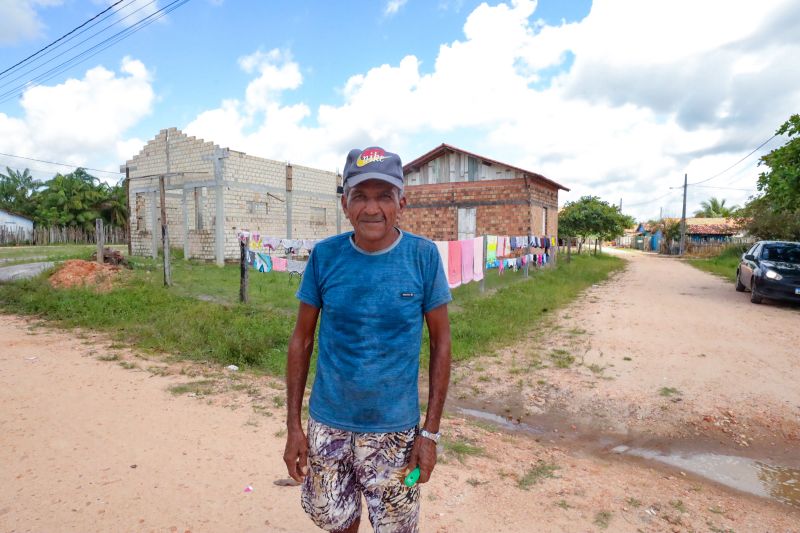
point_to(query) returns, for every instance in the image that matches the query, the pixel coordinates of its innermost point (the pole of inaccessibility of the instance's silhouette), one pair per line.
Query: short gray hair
(348, 189)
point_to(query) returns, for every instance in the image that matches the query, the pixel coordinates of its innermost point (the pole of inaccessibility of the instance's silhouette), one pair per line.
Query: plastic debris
(232, 368)
(248, 488)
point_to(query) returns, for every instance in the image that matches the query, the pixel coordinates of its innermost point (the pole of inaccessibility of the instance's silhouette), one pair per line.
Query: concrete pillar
(155, 228)
(288, 201)
(219, 226)
(185, 209)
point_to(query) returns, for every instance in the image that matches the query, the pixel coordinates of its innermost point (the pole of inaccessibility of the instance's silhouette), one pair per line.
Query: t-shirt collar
(378, 252)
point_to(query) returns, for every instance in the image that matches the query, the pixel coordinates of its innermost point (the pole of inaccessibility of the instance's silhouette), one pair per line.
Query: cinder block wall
(502, 207)
(258, 194)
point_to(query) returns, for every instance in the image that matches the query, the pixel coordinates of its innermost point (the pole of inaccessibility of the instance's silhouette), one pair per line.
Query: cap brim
(355, 180)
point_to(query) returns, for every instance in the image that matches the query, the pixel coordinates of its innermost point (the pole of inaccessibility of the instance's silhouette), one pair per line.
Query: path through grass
(723, 265)
(199, 318)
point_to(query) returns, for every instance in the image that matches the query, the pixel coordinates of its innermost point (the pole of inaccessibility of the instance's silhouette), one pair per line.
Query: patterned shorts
(343, 465)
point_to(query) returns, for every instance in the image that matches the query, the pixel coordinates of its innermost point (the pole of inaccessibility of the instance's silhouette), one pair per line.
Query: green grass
(480, 324)
(668, 391)
(536, 474)
(202, 387)
(461, 448)
(724, 264)
(200, 318)
(12, 255)
(602, 519)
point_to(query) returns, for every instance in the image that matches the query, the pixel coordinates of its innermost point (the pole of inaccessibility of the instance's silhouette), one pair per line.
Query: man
(373, 287)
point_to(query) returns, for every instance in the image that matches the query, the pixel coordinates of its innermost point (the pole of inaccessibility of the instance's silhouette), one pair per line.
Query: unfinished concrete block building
(212, 193)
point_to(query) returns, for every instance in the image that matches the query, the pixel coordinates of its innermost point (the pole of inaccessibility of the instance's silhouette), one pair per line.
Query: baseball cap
(373, 163)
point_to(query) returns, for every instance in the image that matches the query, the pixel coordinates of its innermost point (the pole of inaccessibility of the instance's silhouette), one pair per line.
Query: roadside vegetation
(12, 255)
(199, 318)
(724, 264)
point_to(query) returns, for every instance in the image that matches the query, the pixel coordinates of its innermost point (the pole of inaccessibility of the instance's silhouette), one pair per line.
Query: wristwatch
(428, 435)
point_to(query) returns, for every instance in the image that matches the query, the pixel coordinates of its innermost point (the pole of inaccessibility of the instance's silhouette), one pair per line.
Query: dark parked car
(770, 269)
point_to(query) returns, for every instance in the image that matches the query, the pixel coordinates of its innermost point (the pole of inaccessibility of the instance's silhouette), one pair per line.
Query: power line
(733, 165)
(727, 188)
(60, 164)
(649, 201)
(89, 38)
(109, 8)
(117, 37)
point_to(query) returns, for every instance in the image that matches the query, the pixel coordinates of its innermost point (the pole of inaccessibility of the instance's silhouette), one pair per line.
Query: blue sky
(608, 99)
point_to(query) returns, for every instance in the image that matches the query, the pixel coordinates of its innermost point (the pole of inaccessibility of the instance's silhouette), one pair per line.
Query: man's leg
(380, 461)
(330, 494)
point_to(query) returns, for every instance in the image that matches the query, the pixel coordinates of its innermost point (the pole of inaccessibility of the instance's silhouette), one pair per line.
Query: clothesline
(260, 248)
(463, 259)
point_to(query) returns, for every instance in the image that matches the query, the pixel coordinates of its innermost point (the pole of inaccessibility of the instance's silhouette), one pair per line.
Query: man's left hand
(423, 454)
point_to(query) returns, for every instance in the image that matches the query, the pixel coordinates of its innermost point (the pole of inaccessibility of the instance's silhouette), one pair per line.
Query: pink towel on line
(501, 246)
(477, 258)
(279, 264)
(454, 264)
(467, 263)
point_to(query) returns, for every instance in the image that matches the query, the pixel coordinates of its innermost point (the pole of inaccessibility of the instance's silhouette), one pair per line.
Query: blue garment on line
(370, 334)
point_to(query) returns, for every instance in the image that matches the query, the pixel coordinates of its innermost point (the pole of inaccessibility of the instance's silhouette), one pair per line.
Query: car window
(756, 250)
(783, 253)
(752, 249)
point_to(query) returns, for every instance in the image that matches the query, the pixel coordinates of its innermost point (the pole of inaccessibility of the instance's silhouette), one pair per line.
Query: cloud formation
(81, 121)
(19, 20)
(393, 6)
(621, 103)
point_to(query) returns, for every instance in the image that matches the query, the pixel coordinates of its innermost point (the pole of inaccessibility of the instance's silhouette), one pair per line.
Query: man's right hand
(296, 454)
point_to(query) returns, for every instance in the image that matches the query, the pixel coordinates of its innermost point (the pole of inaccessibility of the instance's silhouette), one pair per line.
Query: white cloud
(393, 6)
(19, 20)
(81, 121)
(654, 91)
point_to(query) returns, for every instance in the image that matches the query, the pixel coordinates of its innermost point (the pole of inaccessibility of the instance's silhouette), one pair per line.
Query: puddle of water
(740, 473)
(498, 420)
(744, 474)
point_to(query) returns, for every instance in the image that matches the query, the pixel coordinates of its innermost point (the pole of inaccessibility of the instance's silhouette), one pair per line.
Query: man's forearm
(439, 380)
(298, 360)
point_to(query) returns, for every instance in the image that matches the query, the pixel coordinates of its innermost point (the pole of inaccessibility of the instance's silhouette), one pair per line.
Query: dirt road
(96, 438)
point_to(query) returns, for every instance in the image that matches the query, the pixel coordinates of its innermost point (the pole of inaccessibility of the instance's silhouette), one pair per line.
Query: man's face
(372, 208)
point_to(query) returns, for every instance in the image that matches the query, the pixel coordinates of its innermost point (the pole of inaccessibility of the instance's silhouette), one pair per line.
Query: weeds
(461, 448)
(678, 505)
(668, 391)
(127, 365)
(633, 502)
(602, 519)
(562, 358)
(109, 357)
(200, 388)
(541, 471)
(563, 504)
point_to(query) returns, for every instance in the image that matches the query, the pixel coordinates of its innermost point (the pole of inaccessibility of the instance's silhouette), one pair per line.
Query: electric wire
(138, 26)
(15, 65)
(733, 165)
(34, 68)
(60, 164)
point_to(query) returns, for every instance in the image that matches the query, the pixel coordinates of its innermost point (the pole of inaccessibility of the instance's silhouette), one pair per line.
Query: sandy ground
(93, 439)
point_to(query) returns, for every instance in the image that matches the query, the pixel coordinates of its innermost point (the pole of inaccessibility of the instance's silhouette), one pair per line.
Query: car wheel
(754, 297)
(739, 285)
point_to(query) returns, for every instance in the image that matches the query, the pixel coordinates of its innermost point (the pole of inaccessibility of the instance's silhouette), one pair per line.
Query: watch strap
(428, 435)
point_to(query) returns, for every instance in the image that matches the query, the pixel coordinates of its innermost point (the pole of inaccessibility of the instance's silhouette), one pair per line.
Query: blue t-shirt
(372, 307)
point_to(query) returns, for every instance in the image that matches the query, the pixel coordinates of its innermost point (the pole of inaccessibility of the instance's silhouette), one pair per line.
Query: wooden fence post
(483, 266)
(98, 234)
(244, 246)
(165, 234)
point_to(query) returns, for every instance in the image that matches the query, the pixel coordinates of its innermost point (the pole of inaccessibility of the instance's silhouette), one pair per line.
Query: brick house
(454, 194)
(206, 184)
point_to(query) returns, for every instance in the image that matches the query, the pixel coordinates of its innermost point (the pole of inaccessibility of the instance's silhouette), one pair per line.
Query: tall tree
(17, 191)
(72, 199)
(591, 216)
(775, 212)
(714, 208)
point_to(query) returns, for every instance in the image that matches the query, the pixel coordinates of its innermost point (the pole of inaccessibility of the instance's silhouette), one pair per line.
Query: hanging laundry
(467, 260)
(501, 246)
(454, 264)
(263, 262)
(477, 258)
(513, 243)
(491, 248)
(443, 248)
(500, 266)
(279, 264)
(297, 267)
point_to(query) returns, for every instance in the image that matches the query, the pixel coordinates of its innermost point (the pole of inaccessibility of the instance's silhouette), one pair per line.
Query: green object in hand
(412, 477)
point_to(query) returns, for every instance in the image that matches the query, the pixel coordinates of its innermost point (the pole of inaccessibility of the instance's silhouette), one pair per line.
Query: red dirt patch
(79, 273)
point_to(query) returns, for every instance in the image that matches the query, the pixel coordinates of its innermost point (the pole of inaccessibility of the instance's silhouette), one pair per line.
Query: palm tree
(714, 208)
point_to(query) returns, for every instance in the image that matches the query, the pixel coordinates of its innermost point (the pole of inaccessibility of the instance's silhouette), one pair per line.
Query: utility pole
(164, 225)
(683, 217)
(620, 205)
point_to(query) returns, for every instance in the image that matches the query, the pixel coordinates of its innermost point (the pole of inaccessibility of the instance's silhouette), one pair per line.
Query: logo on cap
(370, 156)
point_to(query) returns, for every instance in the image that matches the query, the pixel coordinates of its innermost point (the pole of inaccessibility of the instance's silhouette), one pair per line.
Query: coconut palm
(714, 208)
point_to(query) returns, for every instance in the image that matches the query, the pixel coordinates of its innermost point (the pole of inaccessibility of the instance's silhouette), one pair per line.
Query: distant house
(15, 228)
(455, 194)
(711, 229)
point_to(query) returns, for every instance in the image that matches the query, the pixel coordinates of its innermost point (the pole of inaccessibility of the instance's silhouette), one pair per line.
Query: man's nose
(372, 206)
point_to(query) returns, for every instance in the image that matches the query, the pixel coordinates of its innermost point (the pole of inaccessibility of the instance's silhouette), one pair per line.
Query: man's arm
(424, 452)
(300, 347)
